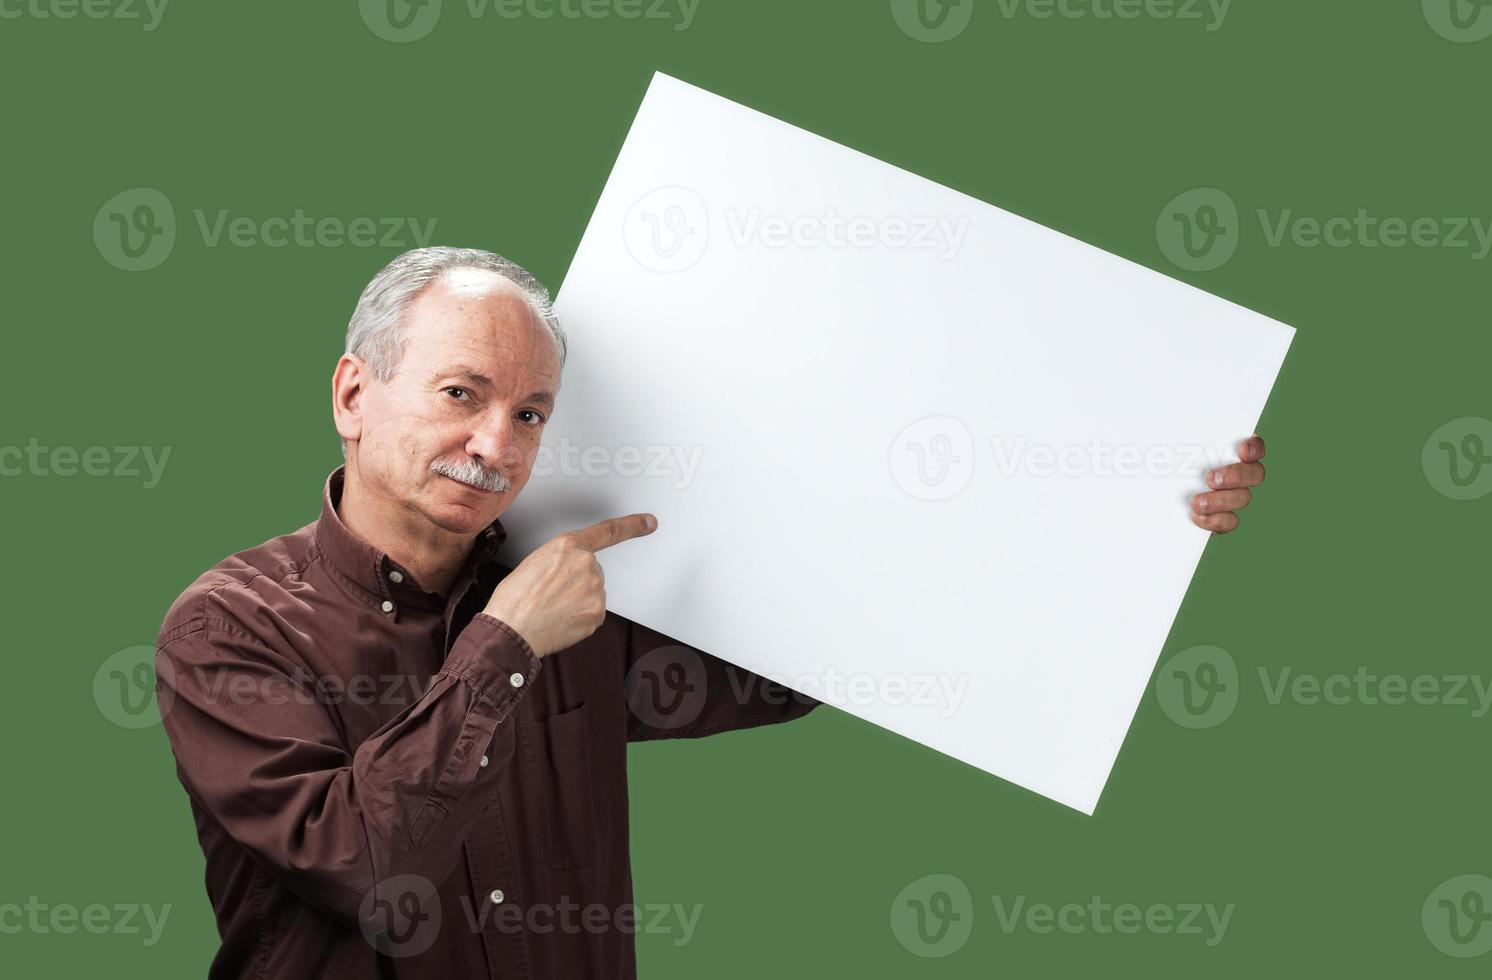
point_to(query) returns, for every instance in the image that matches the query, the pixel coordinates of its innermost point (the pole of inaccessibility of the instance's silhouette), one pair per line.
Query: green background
(1326, 825)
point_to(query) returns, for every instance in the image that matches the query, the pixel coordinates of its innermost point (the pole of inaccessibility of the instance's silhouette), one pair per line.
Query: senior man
(391, 772)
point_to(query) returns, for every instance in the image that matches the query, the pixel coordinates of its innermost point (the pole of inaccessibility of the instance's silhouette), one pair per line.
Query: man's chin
(463, 509)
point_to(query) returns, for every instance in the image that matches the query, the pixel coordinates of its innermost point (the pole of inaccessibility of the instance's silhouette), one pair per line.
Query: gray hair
(376, 331)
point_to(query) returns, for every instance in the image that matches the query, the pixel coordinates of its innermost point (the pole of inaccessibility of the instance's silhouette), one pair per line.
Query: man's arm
(256, 748)
(677, 691)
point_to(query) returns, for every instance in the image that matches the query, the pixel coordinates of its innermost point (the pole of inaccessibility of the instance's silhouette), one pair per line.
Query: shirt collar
(372, 573)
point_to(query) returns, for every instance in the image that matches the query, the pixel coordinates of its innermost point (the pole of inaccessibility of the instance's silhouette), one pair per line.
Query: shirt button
(516, 680)
(484, 762)
(387, 606)
(496, 896)
(396, 576)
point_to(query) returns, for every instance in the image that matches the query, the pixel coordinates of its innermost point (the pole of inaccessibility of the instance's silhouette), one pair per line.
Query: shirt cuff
(492, 657)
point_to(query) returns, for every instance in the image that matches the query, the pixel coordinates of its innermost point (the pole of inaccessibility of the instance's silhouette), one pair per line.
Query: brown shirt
(387, 783)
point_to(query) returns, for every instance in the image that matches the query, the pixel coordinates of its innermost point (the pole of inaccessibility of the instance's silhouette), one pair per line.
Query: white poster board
(911, 454)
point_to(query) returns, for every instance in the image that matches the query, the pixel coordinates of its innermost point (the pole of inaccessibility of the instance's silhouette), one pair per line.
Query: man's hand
(556, 597)
(1215, 509)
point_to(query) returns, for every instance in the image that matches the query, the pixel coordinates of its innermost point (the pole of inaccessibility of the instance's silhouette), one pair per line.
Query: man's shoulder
(255, 577)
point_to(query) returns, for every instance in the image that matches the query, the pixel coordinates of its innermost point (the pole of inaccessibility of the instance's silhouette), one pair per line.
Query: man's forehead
(457, 330)
(465, 311)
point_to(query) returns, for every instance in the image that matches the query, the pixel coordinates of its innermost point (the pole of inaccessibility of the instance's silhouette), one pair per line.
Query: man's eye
(534, 418)
(459, 393)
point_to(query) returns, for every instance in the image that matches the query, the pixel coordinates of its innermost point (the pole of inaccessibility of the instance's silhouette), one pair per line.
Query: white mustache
(472, 474)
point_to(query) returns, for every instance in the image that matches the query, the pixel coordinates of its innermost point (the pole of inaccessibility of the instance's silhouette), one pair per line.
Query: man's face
(470, 396)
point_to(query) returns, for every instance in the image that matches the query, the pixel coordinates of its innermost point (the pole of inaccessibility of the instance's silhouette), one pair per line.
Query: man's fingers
(1220, 523)
(1236, 475)
(614, 530)
(1219, 501)
(1251, 450)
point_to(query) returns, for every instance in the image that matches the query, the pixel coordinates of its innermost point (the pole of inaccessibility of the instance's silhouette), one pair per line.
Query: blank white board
(911, 454)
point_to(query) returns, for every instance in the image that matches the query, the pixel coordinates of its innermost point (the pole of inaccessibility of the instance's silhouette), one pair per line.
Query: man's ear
(349, 381)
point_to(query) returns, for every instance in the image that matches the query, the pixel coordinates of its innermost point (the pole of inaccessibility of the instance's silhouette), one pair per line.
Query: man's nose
(493, 446)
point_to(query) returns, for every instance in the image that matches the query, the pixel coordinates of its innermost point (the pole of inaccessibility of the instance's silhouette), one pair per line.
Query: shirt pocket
(559, 753)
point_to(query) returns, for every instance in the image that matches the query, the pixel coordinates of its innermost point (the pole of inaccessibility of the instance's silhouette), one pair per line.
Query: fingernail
(650, 522)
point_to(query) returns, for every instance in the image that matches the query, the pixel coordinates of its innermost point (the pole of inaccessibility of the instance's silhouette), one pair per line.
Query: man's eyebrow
(461, 371)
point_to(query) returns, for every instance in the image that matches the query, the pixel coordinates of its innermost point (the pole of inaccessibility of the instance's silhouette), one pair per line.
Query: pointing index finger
(615, 530)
